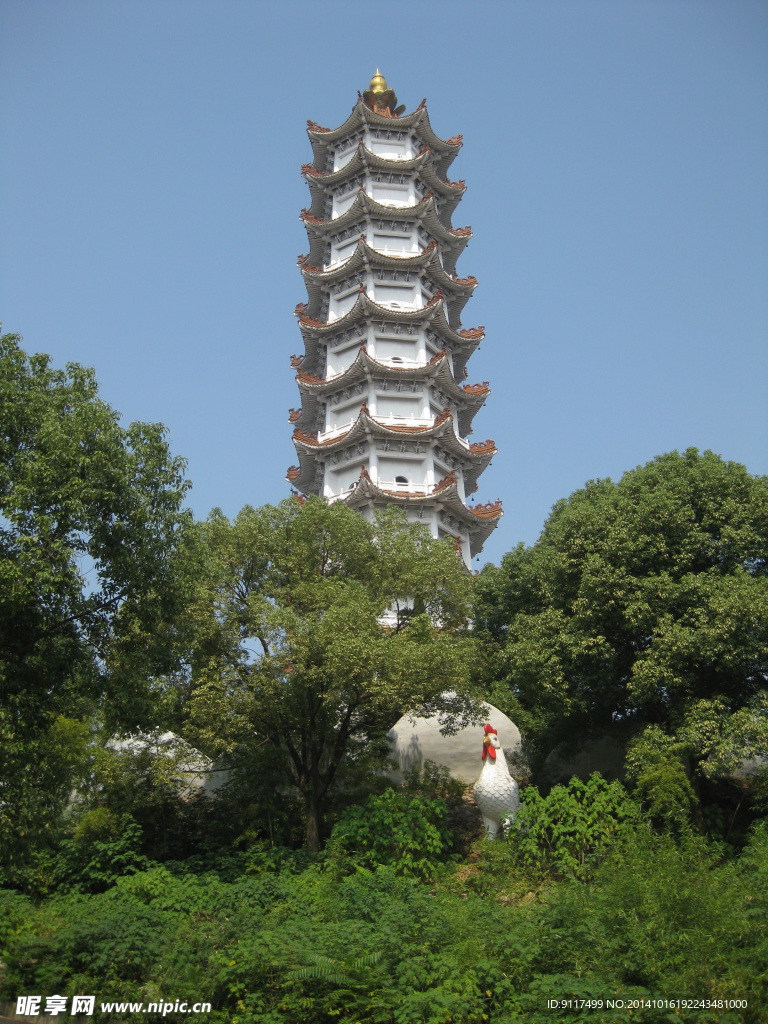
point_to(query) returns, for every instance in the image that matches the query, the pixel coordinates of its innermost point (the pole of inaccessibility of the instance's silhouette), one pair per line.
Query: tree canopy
(289, 641)
(90, 519)
(315, 630)
(644, 602)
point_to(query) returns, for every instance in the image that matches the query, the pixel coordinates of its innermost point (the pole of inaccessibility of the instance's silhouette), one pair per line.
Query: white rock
(417, 741)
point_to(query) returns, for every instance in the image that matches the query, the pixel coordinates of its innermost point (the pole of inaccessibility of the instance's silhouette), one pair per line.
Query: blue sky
(616, 157)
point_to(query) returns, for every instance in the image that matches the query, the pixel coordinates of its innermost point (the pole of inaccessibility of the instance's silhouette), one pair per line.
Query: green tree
(643, 603)
(90, 521)
(314, 631)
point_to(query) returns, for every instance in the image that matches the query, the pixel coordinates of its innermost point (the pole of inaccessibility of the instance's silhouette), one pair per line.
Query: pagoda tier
(383, 447)
(408, 336)
(400, 138)
(374, 174)
(366, 378)
(390, 229)
(384, 410)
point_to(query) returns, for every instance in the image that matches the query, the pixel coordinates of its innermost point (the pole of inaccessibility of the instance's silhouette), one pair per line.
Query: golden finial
(378, 83)
(380, 98)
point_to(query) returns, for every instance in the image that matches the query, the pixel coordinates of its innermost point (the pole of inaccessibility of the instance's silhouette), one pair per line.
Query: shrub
(102, 849)
(656, 771)
(394, 829)
(568, 832)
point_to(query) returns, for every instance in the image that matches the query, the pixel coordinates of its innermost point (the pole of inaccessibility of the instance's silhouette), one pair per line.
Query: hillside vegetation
(282, 646)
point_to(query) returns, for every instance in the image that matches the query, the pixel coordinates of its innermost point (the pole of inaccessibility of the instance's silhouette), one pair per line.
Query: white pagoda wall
(391, 470)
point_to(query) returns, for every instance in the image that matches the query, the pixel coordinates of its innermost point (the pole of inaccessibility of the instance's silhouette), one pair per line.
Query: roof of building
(362, 115)
(365, 308)
(468, 398)
(473, 457)
(366, 208)
(365, 258)
(364, 163)
(480, 521)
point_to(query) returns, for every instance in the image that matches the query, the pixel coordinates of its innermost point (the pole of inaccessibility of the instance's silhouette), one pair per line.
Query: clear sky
(616, 157)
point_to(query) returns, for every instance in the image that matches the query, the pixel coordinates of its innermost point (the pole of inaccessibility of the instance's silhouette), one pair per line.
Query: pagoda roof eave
(361, 159)
(363, 424)
(437, 372)
(427, 259)
(437, 369)
(304, 479)
(363, 115)
(425, 210)
(364, 160)
(480, 524)
(365, 308)
(477, 456)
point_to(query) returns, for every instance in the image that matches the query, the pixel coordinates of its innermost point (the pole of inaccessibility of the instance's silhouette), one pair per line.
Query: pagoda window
(391, 194)
(388, 294)
(398, 473)
(343, 153)
(342, 251)
(402, 348)
(398, 407)
(392, 242)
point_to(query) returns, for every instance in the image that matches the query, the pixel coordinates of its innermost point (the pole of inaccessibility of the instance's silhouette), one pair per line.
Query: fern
(338, 972)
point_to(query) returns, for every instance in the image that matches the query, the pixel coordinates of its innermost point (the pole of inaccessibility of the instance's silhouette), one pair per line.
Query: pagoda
(385, 411)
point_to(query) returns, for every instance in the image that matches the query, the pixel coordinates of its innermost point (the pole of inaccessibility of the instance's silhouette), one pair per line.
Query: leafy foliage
(663, 917)
(657, 917)
(568, 832)
(433, 781)
(642, 607)
(394, 829)
(90, 518)
(101, 850)
(656, 769)
(314, 631)
(642, 603)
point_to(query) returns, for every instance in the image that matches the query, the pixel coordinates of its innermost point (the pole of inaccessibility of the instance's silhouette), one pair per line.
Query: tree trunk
(697, 813)
(313, 822)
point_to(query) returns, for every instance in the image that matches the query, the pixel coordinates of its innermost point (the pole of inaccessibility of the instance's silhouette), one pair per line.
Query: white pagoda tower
(384, 410)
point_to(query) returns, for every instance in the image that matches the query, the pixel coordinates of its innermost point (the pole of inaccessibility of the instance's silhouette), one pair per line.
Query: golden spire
(380, 98)
(378, 83)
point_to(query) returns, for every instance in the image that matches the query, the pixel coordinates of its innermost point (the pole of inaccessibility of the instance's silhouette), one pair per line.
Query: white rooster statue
(496, 792)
